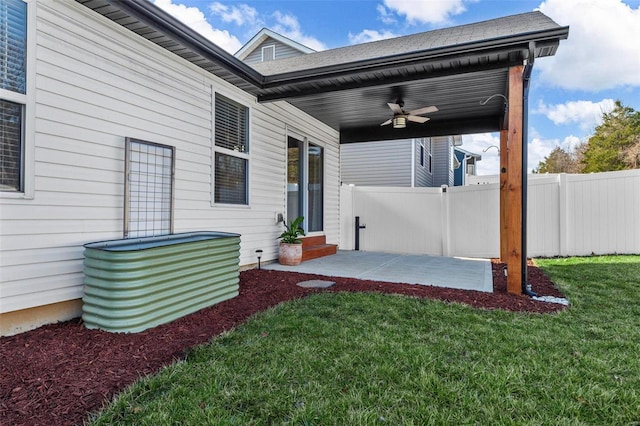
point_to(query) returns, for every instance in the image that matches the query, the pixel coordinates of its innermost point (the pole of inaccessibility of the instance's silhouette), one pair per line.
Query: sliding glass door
(305, 182)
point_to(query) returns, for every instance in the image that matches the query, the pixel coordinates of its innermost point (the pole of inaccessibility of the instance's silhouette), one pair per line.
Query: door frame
(306, 140)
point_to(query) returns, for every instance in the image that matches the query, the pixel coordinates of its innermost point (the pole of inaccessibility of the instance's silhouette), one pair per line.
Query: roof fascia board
(255, 41)
(521, 41)
(290, 92)
(147, 12)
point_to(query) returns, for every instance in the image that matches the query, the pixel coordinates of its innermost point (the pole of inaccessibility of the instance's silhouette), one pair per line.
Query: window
(471, 169)
(13, 91)
(269, 53)
(421, 154)
(231, 152)
(148, 189)
(430, 152)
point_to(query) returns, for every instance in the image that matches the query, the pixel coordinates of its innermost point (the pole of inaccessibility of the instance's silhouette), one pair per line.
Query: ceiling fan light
(399, 122)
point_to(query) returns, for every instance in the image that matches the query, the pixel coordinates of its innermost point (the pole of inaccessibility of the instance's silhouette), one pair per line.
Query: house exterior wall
(283, 51)
(442, 160)
(385, 163)
(422, 176)
(97, 83)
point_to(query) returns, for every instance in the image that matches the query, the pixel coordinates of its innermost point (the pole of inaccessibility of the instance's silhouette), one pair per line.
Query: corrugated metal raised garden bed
(135, 284)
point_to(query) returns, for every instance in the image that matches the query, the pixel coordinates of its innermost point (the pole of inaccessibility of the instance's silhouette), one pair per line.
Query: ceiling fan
(400, 117)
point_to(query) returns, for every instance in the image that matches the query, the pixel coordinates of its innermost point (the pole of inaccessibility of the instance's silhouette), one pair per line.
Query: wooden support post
(514, 181)
(503, 195)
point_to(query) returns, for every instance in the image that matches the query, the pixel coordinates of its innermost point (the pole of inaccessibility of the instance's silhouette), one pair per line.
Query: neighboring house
(467, 162)
(420, 162)
(268, 45)
(120, 121)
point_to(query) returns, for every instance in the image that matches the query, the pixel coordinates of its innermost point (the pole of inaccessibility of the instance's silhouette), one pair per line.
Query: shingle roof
(447, 37)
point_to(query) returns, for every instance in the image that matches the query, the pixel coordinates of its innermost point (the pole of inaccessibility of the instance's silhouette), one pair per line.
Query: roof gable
(264, 35)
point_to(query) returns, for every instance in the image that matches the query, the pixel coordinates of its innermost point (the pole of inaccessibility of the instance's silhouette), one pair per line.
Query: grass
(368, 359)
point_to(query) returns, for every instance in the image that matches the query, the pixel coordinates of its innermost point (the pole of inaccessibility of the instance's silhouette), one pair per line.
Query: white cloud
(288, 26)
(602, 51)
(490, 163)
(242, 14)
(538, 149)
(386, 16)
(570, 143)
(194, 18)
(365, 36)
(586, 114)
(432, 12)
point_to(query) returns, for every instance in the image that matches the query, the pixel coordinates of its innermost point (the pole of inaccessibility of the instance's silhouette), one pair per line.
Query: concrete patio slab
(451, 272)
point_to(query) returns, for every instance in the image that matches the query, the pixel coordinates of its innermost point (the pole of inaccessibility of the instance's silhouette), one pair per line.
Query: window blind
(231, 125)
(10, 146)
(13, 45)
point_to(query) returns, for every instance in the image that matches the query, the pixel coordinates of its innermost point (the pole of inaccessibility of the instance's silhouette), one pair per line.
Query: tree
(631, 154)
(558, 161)
(561, 161)
(613, 145)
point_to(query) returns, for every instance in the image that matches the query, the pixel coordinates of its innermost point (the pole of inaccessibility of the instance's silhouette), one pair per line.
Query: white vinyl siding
(386, 163)
(442, 161)
(98, 83)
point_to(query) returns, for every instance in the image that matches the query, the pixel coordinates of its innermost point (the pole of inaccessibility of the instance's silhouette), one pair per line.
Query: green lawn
(365, 359)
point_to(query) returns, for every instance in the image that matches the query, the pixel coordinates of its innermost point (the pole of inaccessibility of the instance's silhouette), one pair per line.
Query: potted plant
(290, 252)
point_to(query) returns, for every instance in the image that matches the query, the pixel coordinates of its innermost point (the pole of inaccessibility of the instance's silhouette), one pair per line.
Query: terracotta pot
(290, 254)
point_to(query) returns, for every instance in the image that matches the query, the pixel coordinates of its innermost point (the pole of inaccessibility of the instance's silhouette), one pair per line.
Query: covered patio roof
(348, 88)
(477, 75)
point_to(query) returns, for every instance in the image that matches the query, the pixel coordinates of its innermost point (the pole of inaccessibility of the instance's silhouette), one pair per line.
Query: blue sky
(598, 64)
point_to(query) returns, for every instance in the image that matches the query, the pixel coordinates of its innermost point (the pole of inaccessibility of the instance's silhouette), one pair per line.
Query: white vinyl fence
(567, 215)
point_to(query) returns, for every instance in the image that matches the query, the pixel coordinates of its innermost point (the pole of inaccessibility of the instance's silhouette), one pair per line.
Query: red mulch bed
(57, 374)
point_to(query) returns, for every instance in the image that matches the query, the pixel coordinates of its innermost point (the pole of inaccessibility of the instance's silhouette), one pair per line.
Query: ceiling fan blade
(397, 109)
(425, 110)
(386, 122)
(417, 119)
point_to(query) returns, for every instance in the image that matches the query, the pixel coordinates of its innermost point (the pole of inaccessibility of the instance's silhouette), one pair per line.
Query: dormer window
(269, 53)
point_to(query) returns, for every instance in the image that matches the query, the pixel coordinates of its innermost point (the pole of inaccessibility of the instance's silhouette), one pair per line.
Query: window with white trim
(421, 154)
(231, 152)
(13, 93)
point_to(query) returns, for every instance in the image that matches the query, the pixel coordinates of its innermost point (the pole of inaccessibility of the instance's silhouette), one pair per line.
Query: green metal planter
(135, 284)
